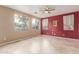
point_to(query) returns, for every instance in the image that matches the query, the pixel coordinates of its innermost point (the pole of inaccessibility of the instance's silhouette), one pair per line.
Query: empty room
(39, 29)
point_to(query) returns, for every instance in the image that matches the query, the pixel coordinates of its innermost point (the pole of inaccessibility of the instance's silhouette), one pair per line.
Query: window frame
(37, 23)
(21, 19)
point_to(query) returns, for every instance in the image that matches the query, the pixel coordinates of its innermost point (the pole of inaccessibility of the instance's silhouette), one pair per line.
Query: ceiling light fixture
(47, 9)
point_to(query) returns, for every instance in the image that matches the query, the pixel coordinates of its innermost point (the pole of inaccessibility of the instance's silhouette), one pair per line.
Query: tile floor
(43, 44)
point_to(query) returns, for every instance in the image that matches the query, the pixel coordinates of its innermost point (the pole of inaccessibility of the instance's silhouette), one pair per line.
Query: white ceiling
(31, 9)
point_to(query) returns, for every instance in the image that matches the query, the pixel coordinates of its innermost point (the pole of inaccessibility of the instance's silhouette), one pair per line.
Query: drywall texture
(7, 28)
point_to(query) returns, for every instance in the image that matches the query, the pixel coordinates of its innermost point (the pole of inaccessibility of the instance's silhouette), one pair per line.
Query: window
(21, 23)
(68, 22)
(35, 23)
(45, 24)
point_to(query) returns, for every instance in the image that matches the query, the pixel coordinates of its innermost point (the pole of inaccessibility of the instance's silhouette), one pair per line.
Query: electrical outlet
(4, 38)
(63, 34)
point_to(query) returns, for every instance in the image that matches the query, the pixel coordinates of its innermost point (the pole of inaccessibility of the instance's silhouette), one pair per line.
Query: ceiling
(31, 9)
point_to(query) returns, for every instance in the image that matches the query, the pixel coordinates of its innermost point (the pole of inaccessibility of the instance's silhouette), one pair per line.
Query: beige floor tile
(43, 44)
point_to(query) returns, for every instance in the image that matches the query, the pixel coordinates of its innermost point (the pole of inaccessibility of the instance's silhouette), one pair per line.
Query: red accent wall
(58, 31)
(78, 24)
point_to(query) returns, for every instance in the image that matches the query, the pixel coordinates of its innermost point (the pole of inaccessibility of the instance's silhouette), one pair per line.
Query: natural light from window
(21, 22)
